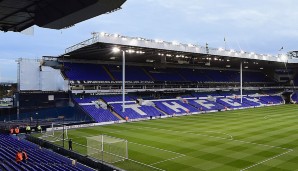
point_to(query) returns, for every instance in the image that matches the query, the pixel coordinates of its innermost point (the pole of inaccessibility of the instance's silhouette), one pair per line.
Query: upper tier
(99, 72)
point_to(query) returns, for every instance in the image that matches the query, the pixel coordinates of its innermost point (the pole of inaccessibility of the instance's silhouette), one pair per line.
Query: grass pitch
(256, 139)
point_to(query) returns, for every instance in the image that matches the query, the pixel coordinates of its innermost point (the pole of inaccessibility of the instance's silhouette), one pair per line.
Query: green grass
(252, 139)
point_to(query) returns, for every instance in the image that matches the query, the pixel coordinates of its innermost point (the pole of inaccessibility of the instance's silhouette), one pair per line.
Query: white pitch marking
(231, 137)
(157, 148)
(167, 160)
(271, 158)
(246, 142)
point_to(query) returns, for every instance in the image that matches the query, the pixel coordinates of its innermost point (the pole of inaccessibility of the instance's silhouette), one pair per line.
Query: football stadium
(115, 102)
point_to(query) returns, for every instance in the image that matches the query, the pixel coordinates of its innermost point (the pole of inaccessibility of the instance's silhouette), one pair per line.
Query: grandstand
(84, 86)
(39, 159)
(161, 79)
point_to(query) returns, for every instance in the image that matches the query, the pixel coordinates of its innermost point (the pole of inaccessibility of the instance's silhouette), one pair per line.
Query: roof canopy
(17, 15)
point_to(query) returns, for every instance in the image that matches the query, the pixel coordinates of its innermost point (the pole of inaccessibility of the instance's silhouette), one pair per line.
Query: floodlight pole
(123, 80)
(241, 82)
(63, 132)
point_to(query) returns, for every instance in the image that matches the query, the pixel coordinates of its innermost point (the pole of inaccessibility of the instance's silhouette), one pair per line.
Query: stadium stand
(205, 94)
(165, 75)
(39, 159)
(195, 102)
(116, 98)
(172, 107)
(272, 99)
(194, 75)
(133, 73)
(99, 72)
(231, 103)
(135, 111)
(81, 72)
(206, 105)
(294, 97)
(218, 76)
(99, 114)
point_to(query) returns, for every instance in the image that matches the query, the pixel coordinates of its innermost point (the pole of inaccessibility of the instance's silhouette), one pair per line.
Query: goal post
(55, 133)
(107, 148)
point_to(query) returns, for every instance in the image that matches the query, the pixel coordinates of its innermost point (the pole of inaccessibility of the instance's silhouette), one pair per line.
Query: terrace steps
(160, 110)
(116, 114)
(180, 75)
(148, 74)
(108, 72)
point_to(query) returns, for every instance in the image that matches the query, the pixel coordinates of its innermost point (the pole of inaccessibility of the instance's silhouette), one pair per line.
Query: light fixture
(149, 60)
(116, 49)
(102, 33)
(175, 43)
(130, 51)
(190, 45)
(220, 49)
(284, 58)
(158, 41)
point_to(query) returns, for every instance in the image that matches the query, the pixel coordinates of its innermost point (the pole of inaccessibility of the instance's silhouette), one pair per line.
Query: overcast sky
(261, 26)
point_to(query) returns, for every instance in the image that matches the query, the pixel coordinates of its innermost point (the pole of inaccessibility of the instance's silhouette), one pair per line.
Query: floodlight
(116, 50)
(158, 41)
(102, 33)
(130, 51)
(175, 43)
(284, 58)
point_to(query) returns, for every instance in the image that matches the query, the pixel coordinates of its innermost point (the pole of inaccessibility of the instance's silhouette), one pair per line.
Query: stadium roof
(140, 50)
(18, 15)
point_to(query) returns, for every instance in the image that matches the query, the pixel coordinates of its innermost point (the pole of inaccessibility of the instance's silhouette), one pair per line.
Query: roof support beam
(25, 21)
(20, 10)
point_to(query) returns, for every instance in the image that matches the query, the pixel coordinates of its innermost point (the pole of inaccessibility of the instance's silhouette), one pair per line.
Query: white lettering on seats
(175, 106)
(204, 103)
(135, 107)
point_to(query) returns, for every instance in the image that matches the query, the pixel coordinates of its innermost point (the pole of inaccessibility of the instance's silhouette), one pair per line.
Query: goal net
(107, 148)
(55, 133)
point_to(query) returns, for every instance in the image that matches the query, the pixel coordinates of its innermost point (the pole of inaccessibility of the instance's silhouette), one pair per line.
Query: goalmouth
(56, 133)
(107, 148)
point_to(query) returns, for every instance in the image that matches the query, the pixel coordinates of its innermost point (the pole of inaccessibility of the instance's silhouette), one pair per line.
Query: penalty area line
(271, 158)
